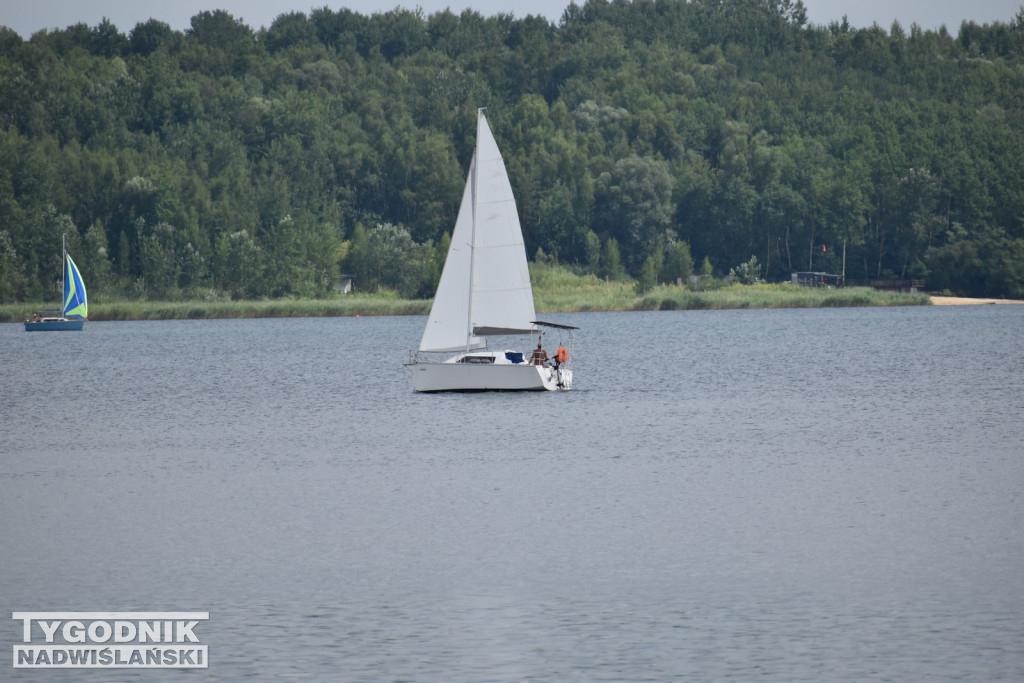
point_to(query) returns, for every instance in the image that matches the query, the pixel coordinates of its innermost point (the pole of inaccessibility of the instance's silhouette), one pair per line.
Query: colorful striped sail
(75, 304)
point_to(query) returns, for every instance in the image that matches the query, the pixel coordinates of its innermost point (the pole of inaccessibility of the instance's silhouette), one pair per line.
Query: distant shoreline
(560, 293)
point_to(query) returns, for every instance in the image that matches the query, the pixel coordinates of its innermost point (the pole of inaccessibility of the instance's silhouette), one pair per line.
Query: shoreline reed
(558, 297)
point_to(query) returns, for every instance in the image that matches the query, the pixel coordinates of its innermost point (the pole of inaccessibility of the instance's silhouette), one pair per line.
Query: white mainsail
(485, 285)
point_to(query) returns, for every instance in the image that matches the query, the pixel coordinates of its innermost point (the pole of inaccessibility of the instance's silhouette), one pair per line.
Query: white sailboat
(485, 290)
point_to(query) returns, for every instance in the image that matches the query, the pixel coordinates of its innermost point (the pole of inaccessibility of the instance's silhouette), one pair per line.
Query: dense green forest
(642, 138)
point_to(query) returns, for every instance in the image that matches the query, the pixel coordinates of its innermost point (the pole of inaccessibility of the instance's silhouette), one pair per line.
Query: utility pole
(844, 262)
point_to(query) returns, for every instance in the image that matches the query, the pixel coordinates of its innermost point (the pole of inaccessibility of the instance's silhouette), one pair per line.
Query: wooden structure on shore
(903, 286)
(818, 279)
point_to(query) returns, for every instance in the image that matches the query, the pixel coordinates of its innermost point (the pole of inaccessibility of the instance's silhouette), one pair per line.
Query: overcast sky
(28, 16)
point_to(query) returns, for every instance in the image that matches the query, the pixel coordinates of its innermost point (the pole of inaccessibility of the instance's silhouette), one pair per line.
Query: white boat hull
(457, 375)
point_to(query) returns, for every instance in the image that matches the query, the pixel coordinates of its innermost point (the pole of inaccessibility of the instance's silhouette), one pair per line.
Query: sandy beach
(964, 301)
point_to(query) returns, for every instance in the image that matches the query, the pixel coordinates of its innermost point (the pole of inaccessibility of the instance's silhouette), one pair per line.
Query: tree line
(644, 140)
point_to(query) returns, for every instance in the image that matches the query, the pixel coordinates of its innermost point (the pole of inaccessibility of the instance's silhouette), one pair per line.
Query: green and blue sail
(75, 304)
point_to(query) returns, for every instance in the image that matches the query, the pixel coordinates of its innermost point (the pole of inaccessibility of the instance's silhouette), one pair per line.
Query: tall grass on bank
(772, 296)
(556, 289)
(351, 305)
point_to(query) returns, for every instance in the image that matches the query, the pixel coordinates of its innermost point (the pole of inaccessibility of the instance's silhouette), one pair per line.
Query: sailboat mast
(472, 240)
(63, 269)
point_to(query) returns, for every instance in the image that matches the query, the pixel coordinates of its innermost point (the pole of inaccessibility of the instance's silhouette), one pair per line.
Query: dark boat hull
(59, 325)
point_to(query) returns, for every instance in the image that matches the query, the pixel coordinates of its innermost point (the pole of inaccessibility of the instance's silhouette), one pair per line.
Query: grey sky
(27, 17)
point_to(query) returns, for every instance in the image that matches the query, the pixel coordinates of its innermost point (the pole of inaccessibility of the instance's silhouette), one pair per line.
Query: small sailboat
(75, 308)
(485, 290)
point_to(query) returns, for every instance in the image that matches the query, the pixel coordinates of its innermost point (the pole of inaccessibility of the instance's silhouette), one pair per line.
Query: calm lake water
(790, 495)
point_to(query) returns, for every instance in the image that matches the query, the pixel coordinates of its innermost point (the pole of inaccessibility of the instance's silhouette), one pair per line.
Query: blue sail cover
(75, 304)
